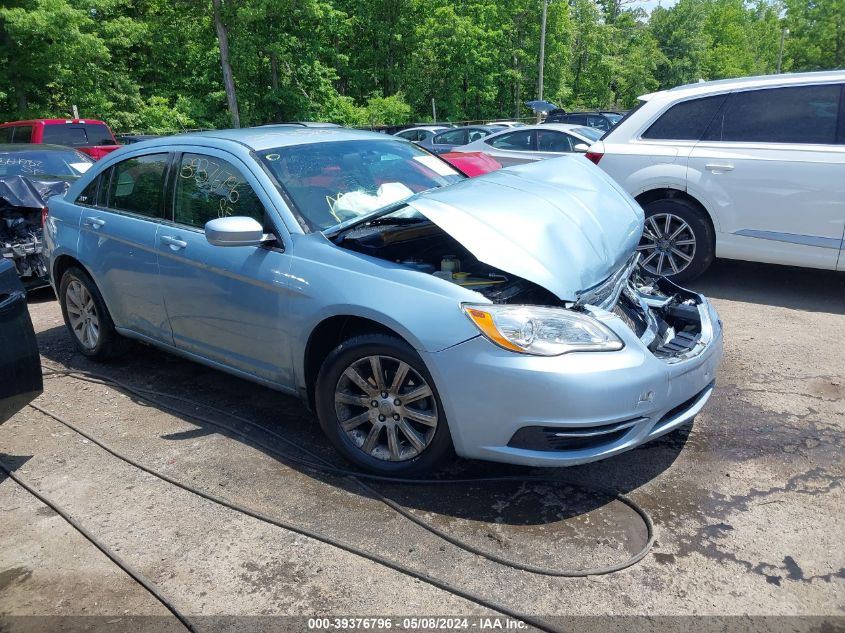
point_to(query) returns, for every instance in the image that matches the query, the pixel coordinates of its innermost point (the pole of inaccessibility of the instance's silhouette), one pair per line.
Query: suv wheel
(677, 240)
(378, 405)
(87, 318)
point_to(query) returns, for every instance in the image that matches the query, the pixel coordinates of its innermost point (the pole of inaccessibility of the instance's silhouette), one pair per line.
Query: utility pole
(433, 111)
(228, 80)
(784, 32)
(542, 50)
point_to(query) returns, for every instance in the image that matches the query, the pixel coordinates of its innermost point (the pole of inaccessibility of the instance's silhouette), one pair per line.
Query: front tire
(677, 241)
(87, 318)
(378, 405)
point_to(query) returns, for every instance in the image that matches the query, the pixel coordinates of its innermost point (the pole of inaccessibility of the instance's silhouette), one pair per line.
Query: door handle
(173, 242)
(94, 223)
(719, 168)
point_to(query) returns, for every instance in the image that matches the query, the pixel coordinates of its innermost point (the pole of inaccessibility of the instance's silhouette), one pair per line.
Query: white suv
(748, 169)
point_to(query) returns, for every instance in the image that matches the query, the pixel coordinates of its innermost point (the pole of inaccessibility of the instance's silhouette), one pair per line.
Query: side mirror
(234, 231)
(581, 148)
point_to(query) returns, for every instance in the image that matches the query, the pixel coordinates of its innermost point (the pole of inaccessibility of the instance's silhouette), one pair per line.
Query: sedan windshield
(43, 164)
(337, 181)
(588, 132)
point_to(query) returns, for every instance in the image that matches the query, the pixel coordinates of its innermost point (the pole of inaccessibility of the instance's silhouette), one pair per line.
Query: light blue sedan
(418, 312)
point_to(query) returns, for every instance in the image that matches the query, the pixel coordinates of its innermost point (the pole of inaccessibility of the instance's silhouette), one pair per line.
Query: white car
(529, 143)
(420, 133)
(750, 169)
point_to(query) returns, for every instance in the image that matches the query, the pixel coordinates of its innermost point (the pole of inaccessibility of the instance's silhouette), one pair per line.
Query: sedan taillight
(44, 213)
(594, 156)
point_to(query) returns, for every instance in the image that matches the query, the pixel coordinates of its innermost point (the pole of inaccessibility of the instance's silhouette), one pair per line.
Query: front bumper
(489, 394)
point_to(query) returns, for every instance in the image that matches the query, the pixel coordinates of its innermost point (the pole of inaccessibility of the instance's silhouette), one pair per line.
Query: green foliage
(154, 65)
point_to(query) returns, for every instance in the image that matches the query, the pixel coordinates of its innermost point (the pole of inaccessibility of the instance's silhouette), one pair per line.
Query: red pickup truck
(87, 135)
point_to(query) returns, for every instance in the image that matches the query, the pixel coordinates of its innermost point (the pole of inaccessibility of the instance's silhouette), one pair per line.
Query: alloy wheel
(82, 314)
(386, 408)
(667, 245)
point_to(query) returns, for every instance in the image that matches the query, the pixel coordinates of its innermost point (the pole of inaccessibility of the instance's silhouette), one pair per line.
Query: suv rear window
(78, 134)
(799, 114)
(685, 121)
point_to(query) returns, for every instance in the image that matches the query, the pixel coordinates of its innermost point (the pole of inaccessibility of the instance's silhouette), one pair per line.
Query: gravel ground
(748, 503)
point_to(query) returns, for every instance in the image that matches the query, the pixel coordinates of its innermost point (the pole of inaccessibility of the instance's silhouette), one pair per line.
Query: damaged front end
(672, 322)
(22, 210)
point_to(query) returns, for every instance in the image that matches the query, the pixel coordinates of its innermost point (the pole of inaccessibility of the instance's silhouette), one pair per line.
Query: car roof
(425, 127)
(269, 136)
(36, 147)
(723, 85)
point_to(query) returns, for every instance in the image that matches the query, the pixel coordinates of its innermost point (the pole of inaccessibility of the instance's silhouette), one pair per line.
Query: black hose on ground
(105, 549)
(326, 467)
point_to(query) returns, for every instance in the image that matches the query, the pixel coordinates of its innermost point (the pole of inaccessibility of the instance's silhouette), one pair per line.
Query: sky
(648, 5)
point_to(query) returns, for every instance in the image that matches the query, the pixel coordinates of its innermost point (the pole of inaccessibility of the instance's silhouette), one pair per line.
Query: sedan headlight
(542, 331)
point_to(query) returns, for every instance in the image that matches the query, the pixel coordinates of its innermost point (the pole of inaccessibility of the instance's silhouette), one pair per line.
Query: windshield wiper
(388, 220)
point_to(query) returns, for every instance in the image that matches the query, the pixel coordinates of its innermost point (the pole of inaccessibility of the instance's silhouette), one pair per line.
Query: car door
(513, 148)
(772, 171)
(121, 211)
(224, 304)
(20, 363)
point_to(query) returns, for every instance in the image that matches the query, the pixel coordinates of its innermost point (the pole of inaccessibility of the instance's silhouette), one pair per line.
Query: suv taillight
(594, 156)
(44, 213)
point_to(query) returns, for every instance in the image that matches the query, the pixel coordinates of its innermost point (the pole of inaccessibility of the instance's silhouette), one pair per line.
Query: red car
(472, 163)
(87, 135)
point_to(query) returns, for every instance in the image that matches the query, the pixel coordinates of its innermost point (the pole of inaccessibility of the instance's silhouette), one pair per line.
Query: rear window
(800, 114)
(38, 163)
(685, 121)
(73, 135)
(78, 134)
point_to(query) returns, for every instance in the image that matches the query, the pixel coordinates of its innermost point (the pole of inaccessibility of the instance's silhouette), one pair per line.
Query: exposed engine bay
(22, 201)
(664, 316)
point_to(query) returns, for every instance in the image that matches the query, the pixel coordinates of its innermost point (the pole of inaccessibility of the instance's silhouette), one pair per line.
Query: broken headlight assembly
(541, 331)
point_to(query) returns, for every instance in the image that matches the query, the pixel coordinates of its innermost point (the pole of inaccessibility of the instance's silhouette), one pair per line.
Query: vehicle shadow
(44, 294)
(581, 488)
(769, 284)
(12, 462)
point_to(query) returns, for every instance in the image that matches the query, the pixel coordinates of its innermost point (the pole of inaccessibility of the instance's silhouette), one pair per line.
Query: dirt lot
(748, 504)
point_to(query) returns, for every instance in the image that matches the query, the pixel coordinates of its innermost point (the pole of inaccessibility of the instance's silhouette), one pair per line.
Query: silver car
(416, 311)
(531, 143)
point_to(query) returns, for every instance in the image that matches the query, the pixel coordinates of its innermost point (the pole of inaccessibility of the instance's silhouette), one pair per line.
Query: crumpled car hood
(29, 192)
(562, 224)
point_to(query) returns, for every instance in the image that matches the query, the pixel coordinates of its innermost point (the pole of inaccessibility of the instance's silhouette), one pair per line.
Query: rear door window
(64, 134)
(137, 185)
(6, 134)
(521, 141)
(550, 141)
(685, 121)
(797, 114)
(208, 187)
(598, 122)
(452, 137)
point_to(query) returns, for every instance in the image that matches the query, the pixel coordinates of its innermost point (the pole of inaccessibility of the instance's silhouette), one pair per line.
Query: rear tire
(87, 318)
(678, 241)
(393, 426)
